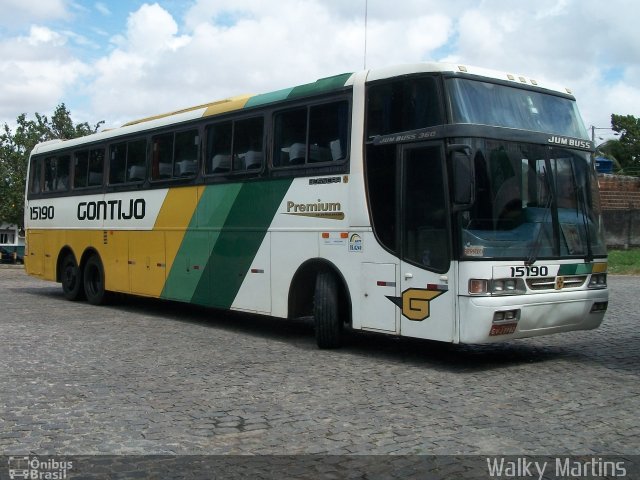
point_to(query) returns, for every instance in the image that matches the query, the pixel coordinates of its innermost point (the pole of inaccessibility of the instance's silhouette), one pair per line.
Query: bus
(435, 201)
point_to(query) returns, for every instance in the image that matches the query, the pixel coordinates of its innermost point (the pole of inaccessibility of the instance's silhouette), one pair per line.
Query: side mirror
(463, 175)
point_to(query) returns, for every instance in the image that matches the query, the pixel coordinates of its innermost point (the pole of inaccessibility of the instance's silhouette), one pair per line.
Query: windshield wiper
(585, 222)
(533, 256)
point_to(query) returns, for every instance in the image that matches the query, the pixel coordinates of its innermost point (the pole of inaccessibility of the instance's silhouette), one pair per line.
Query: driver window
(425, 233)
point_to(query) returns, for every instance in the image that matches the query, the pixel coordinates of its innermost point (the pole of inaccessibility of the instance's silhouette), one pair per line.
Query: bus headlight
(498, 286)
(507, 286)
(598, 280)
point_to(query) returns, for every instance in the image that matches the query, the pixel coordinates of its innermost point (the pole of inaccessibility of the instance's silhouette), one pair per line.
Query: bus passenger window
(328, 132)
(56, 173)
(235, 146)
(88, 167)
(186, 153)
(36, 175)
(162, 156)
(96, 167)
(247, 144)
(136, 160)
(81, 169)
(219, 148)
(290, 138)
(317, 134)
(118, 163)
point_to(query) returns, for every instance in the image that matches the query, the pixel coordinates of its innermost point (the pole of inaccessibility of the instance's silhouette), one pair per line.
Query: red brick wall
(618, 192)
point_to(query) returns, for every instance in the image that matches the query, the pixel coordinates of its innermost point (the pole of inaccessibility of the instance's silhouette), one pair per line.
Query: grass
(624, 262)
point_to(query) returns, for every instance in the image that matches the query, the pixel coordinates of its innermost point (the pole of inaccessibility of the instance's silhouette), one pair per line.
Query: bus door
(427, 300)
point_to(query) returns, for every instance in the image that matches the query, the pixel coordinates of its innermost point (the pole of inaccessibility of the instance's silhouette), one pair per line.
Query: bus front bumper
(499, 318)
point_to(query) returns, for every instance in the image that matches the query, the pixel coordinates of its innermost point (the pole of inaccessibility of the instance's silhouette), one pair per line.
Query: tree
(627, 148)
(15, 147)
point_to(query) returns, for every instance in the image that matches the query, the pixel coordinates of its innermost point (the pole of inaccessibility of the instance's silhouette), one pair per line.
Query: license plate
(502, 329)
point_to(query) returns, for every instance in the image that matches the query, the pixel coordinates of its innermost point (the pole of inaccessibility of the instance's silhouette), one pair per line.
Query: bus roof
(456, 68)
(323, 85)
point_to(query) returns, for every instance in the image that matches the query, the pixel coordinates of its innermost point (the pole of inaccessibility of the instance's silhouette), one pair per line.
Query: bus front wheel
(71, 278)
(328, 327)
(94, 281)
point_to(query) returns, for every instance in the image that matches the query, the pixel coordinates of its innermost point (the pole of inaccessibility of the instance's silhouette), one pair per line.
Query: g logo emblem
(415, 302)
(559, 283)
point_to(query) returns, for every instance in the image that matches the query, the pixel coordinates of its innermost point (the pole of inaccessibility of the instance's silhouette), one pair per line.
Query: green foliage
(626, 150)
(624, 262)
(15, 147)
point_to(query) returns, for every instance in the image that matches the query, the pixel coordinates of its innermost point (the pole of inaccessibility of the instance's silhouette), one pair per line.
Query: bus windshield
(531, 202)
(503, 106)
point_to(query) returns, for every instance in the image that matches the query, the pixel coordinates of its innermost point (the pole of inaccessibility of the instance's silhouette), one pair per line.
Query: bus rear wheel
(328, 327)
(94, 281)
(71, 277)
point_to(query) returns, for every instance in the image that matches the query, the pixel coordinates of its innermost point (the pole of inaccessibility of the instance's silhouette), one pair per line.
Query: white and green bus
(435, 201)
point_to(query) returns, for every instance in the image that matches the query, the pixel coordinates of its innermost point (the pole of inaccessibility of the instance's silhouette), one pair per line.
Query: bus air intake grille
(550, 283)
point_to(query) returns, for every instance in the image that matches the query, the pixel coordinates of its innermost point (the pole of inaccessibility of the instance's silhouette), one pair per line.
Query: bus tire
(94, 281)
(71, 276)
(328, 327)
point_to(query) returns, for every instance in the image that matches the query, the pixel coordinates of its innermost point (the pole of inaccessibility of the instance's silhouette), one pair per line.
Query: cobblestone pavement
(150, 377)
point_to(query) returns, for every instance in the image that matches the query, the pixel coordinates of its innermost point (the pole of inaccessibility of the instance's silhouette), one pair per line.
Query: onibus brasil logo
(35, 468)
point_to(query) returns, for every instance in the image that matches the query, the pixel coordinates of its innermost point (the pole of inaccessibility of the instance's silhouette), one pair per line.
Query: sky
(117, 60)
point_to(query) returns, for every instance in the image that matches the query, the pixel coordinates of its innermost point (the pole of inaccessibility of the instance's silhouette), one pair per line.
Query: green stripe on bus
(202, 233)
(320, 86)
(575, 269)
(237, 244)
(265, 98)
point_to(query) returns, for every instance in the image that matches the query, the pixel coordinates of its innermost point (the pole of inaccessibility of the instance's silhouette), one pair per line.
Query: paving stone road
(150, 377)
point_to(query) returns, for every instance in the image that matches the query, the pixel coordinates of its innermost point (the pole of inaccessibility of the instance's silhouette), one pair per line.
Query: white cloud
(16, 12)
(43, 36)
(102, 8)
(217, 48)
(36, 70)
(255, 49)
(151, 30)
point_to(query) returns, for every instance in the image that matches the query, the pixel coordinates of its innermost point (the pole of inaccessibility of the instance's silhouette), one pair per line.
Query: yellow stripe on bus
(228, 105)
(174, 218)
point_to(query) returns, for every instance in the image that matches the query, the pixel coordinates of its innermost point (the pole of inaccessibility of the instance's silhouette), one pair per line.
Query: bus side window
(424, 230)
(63, 180)
(186, 147)
(96, 167)
(219, 148)
(328, 132)
(403, 105)
(290, 138)
(81, 169)
(56, 173)
(382, 172)
(128, 162)
(136, 160)
(36, 175)
(316, 134)
(247, 144)
(118, 163)
(162, 156)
